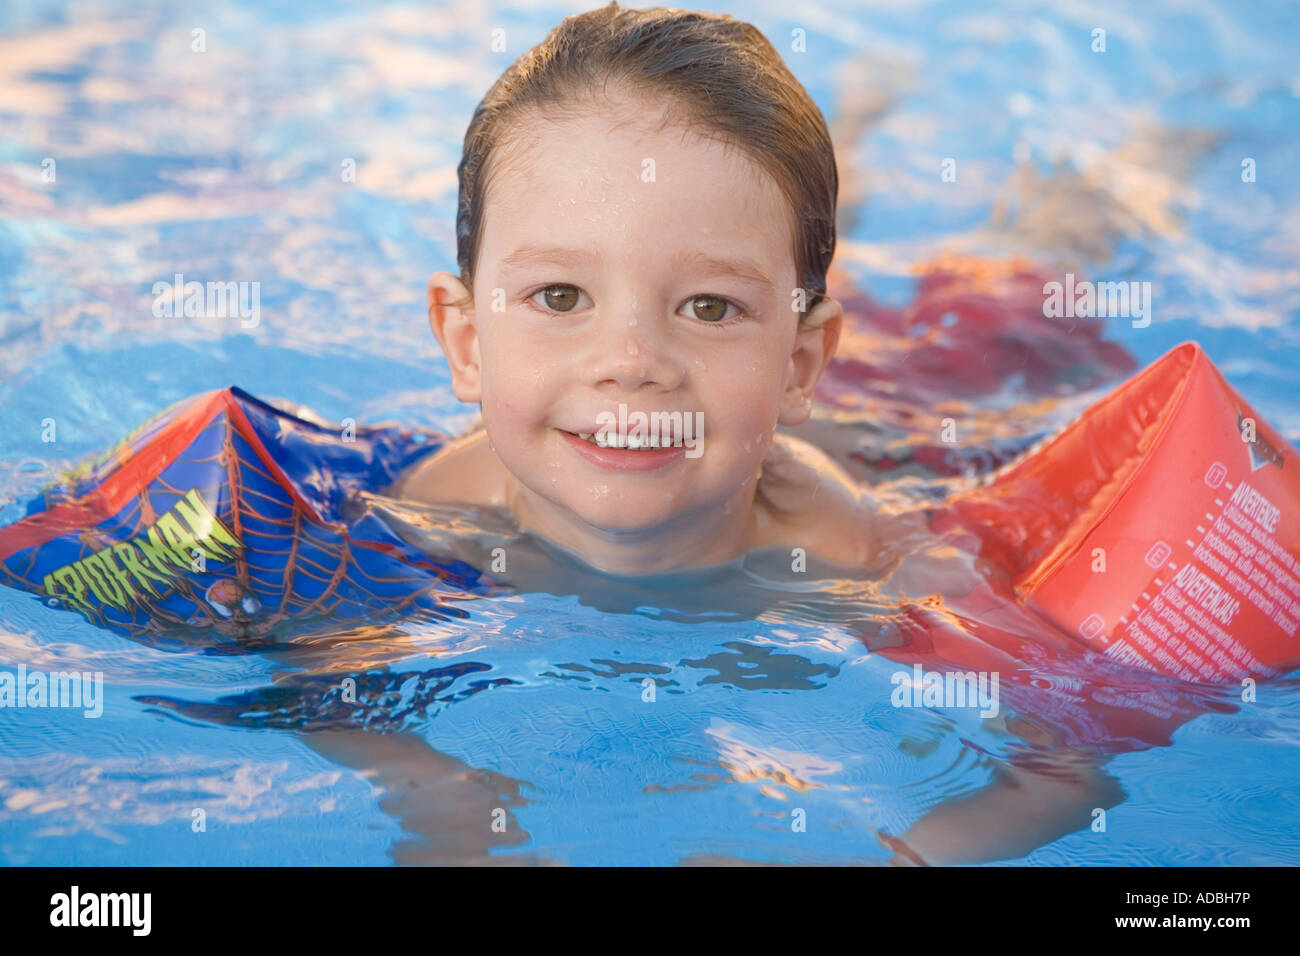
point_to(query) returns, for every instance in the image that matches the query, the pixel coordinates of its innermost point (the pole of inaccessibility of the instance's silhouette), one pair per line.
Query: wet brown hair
(720, 76)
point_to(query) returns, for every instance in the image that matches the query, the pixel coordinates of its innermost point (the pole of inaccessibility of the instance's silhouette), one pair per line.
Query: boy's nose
(631, 351)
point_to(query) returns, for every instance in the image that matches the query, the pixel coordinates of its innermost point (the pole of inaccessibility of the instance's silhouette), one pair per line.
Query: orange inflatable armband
(1162, 527)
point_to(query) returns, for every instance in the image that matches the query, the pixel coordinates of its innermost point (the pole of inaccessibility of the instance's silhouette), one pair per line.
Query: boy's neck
(696, 539)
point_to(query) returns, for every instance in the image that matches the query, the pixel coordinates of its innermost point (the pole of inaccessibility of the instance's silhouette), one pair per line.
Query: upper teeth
(629, 442)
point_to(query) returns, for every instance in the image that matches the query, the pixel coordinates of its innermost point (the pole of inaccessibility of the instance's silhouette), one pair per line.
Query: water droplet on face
(631, 348)
(632, 321)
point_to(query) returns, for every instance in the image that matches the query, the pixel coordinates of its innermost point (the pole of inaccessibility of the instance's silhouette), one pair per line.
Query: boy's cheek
(520, 358)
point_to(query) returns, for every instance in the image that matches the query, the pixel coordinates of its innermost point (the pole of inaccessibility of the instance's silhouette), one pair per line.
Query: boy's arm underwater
(1030, 802)
(1023, 808)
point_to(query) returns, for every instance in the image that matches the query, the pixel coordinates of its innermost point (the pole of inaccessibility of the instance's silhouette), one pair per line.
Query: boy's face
(668, 260)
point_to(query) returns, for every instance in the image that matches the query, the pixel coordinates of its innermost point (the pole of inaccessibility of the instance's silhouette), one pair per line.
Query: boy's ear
(451, 316)
(814, 347)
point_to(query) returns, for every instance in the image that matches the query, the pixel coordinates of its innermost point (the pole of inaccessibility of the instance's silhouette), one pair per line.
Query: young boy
(647, 214)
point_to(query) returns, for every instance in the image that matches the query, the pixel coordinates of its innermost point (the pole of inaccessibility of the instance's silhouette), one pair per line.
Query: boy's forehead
(618, 175)
(620, 148)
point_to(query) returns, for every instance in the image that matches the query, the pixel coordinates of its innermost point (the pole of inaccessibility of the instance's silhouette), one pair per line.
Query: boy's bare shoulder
(464, 471)
(809, 501)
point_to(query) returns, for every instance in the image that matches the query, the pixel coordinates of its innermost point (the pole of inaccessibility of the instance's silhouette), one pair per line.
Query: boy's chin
(629, 514)
(627, 519)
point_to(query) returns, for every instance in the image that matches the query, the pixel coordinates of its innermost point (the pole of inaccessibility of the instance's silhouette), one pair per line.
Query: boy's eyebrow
(741, 268)
(714, 265)
(554, 254)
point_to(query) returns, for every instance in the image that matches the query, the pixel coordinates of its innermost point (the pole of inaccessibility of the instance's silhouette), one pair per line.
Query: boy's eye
(710, 308)
(560, 298)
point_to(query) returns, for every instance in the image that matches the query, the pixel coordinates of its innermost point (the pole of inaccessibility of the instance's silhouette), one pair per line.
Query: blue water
(225, 165)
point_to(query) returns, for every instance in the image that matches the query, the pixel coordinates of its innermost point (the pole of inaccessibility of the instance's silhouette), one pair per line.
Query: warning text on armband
(1240, 549)
(1202, 590)
(1188, 625)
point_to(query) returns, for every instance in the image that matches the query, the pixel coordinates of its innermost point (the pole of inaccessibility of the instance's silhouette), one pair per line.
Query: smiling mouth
(623, 442)
(622, 453)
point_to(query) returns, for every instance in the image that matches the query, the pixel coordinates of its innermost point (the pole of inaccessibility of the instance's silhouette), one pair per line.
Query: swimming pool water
(770, 696)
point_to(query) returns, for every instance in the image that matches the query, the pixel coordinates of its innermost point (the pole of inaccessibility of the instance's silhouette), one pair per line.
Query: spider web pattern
(295, 572)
